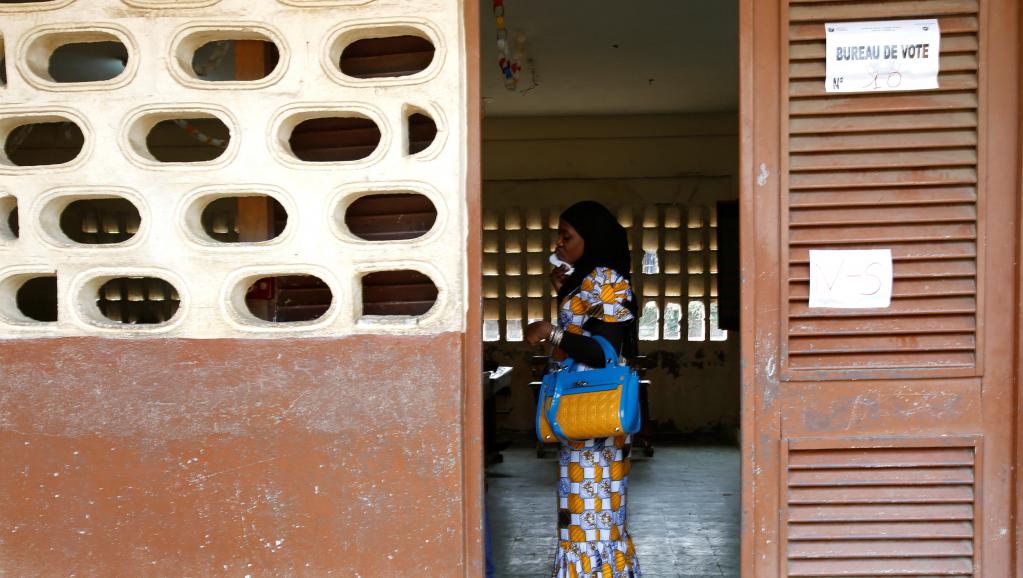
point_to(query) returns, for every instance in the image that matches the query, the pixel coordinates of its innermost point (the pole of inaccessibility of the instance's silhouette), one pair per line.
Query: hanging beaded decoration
(212, 62)
(509, 63)
(199, 135)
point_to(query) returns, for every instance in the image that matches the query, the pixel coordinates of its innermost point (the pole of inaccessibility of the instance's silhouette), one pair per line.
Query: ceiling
(615, 57)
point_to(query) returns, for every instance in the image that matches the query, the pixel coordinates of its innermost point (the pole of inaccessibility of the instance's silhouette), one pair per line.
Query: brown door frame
(472, 365)
(1018, 494)
(759, 162)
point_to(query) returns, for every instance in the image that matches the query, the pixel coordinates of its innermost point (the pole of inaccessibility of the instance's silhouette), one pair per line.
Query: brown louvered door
(879, 440)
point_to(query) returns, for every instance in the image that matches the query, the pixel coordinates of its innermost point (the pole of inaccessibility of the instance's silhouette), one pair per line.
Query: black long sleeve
(586, 350)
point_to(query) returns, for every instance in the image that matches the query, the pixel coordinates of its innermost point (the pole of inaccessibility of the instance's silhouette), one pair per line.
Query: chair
(495, 383)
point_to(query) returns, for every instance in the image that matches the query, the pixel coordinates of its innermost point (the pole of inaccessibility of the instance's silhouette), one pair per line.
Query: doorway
(637, 109)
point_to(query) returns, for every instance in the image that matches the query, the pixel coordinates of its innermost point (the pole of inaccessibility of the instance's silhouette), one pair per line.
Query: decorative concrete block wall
(159, 83)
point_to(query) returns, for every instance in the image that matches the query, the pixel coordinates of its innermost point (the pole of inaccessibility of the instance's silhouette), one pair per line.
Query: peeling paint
(763, 175)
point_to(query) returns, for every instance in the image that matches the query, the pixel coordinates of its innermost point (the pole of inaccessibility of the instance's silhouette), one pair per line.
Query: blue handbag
(577, 404)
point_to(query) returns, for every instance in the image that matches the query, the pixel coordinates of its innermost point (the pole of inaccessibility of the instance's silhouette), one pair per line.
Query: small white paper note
(859, 279)
(882, 56)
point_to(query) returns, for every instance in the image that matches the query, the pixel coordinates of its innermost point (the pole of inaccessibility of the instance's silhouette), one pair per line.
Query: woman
(594, 299)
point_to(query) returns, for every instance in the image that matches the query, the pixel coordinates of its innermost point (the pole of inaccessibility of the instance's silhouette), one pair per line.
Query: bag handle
(610, 355)
(611, 358)
(552, 415)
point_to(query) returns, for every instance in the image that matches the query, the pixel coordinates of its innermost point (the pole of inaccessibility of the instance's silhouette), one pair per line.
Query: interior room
(633, 105)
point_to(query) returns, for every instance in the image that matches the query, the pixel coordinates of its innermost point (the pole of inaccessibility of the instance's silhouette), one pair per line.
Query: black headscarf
(605, 244)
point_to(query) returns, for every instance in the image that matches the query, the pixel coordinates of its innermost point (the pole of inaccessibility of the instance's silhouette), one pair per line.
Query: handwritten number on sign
(892, 78)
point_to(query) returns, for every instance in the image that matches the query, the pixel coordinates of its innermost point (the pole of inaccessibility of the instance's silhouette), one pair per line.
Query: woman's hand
(558, 276)
(537, 331)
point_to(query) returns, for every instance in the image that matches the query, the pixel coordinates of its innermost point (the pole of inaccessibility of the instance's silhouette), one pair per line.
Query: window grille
(674, 256)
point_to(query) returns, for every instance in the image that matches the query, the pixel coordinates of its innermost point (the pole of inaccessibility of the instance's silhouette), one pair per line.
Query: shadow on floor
(683, 512)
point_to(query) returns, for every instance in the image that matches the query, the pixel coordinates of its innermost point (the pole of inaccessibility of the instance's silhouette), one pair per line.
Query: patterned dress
(593, 535)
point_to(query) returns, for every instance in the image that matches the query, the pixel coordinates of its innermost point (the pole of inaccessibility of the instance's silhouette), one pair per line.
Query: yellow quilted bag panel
(590, 415)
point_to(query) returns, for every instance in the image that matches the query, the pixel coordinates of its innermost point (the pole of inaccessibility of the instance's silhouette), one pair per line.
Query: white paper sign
(882, 56)
(851, 279)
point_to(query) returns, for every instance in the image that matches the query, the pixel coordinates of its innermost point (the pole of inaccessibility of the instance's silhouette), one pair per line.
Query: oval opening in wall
(9, 229)
(334, 139)
(390, 216)
(288, 298)
(78, 57)
(138, 300)
(36, 4)
(48, 141)
(421, 132)
(228, 56)
(3, 63)
(387, 57)
(402, 292)
(243, 219)
(36, 299)
(195, 138)
(100, 221)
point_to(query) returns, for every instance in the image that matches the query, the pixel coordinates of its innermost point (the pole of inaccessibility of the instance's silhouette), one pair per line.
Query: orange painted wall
(209, 458)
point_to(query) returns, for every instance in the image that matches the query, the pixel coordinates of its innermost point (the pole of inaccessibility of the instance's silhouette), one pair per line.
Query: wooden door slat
(902, 253)
(843, 161)
(881, 549)
(926, 306)
(883, 178)
(876, 360)
(883, 122)
(883, 495)
(881, 567)
(938, 324)
(881, 477)
(881, 513)
(890, 10)
(879, 215)
(858, 233)
(893, 141)
(880, 457)
(882, 344)
(881, 530)
(951, 24)
(890, 102)
(882, 197)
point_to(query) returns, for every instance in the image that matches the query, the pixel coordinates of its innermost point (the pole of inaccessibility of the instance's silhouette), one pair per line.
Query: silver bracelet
(556, 336)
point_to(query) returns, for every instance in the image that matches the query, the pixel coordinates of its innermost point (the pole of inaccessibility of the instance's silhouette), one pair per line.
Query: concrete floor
(683, 512)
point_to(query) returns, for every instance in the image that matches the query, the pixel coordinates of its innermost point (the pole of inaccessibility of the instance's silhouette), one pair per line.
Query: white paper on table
(855, 279)
(882, 56)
